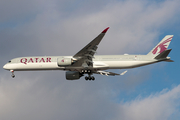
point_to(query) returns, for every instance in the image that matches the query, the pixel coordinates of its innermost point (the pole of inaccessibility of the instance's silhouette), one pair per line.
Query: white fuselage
(100, 62)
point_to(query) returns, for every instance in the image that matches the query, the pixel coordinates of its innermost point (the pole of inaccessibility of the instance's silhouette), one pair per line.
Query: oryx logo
(62, 60)
(162, 46)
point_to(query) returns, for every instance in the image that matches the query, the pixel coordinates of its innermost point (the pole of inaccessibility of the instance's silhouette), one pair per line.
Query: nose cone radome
(5, 67)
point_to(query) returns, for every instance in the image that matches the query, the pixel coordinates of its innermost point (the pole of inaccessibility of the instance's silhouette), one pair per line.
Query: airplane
(85, 62)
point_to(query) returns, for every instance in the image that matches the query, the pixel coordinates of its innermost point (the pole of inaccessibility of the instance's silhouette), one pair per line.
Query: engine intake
(73, 75)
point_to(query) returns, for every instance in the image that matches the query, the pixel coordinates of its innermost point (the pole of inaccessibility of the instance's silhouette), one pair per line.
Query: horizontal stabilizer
(164, 54)
(169, 61)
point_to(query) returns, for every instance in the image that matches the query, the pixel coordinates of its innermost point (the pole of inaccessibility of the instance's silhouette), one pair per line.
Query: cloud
(134, 27)
(37, 27)
(54, 98)
(160, 106)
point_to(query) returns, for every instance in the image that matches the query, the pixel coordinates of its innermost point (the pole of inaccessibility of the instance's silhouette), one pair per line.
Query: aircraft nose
(5, 66)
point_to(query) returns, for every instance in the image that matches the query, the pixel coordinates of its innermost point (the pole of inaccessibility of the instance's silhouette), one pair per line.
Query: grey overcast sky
(61, 27)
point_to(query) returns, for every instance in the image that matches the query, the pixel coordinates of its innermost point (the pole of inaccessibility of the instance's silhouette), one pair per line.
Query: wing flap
(109, 73)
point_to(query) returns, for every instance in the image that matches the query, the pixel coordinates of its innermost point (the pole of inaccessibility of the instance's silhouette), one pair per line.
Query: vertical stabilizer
(161, 46)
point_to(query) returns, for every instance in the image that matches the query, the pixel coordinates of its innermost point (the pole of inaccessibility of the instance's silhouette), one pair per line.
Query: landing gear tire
(12, 71)
(90, 78)
(13, 76)
(86, 71)
(86, 78)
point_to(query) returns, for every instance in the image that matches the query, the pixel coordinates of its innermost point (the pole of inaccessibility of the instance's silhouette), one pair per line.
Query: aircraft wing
(109, 73)
(85, 55)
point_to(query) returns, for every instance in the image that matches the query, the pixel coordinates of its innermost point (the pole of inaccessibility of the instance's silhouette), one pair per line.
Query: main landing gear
(12, 71)
(89, 77)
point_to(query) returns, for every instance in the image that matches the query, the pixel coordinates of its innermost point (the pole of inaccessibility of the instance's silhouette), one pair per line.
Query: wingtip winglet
(105, 30)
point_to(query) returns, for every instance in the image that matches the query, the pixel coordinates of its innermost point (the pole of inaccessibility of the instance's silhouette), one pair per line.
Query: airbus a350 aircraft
(85, 62)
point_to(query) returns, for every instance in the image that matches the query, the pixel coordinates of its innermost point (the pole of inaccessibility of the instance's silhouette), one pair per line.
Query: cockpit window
(9, 61)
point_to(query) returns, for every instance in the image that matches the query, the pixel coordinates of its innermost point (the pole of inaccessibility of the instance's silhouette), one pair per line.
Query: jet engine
(73, 75)
(62, 62)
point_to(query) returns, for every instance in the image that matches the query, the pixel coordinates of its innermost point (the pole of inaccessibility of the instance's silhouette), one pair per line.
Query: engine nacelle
(62, 62)
(73, 75)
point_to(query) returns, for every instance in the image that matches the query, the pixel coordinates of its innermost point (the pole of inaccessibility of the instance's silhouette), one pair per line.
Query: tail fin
(161, 46)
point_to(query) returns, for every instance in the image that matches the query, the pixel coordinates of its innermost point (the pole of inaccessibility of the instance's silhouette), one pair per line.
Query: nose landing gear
(12, 71)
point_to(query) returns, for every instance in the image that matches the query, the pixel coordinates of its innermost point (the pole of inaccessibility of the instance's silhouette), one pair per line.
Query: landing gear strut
(89, 72)
(12, 71)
